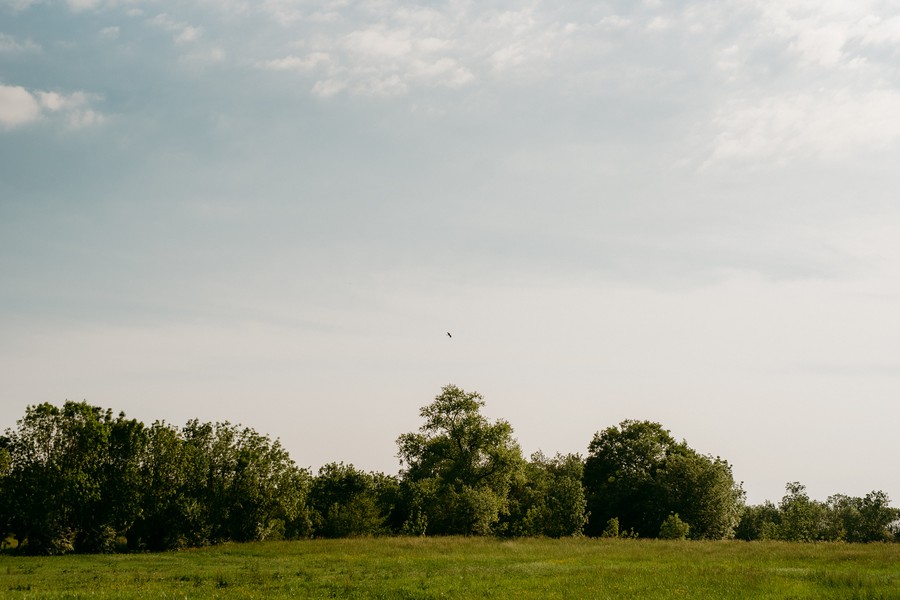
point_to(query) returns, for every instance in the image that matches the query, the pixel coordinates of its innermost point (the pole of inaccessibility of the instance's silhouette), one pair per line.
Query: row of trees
(76, 478)
(839, 519)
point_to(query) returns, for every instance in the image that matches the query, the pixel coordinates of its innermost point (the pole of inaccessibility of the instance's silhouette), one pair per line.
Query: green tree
(345, 502)
(5, 499)
(701, 489)
(673, 528)
(876, 517)
(239, 490)
(619, 476)
(637, 472)
(612, 528)
(254, 497)
(549, 500)
(866, 519)
(70, 475)
(171, 476)
(206, 484)
(459, 467)
(758, 522)
(123, 491)
(802, 519)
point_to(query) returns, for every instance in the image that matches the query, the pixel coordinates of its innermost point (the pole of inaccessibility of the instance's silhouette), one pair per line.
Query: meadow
(468, 567)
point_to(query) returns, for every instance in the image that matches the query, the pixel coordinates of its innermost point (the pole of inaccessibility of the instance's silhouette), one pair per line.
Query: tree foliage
(77, 478)
(841, 518)
(549, 499)
(637, 472)
(71, 478)
(459, 467)
(348, 502)
(673, 528)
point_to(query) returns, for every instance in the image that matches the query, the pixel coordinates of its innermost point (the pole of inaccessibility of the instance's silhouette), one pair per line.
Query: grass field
(468, 568)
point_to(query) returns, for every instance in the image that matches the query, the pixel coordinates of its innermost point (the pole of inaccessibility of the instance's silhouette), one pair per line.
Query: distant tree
(294, 517)
(549, 500)
(345, 502)
(389, 497)
(240, 492)
(802, 519)
(169, 480)
(637, 472)
(840, 518)
(123, 491)
(75, 478)
(758, 522)
(701, 489)
(5, 499)
(70, 483)
(619, 476)
(877, 517)
(257, 489)
(866, 519)
(208, 483)
(53, 477)
(459, 467)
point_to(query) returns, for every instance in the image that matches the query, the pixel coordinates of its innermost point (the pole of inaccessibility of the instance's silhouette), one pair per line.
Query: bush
(673, 528)
(612, 528)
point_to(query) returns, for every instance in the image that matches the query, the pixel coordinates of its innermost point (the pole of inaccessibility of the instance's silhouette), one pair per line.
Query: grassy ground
(468, 568)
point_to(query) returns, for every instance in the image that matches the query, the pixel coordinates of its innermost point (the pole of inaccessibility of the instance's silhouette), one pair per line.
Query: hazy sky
(270, 212)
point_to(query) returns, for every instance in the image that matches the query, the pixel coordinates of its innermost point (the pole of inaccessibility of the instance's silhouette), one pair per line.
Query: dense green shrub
(673, 528)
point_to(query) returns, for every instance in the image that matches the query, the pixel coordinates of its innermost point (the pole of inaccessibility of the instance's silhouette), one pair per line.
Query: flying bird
(448, 335)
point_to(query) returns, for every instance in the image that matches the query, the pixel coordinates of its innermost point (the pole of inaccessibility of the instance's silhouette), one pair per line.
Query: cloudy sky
(270, 212)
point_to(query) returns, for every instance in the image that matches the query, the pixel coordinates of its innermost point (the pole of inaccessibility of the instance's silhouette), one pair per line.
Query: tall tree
(620, 476)
(459, 467)
(759, 522)
(702, 491)
(71, 482)
(346, 502)
(549, 500)
(638, 473)
(802, 518)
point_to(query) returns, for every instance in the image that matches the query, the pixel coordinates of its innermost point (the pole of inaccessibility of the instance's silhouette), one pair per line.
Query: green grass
(468, 568)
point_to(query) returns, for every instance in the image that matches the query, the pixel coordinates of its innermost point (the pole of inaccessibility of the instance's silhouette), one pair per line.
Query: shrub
(673, 528)
(612, 528)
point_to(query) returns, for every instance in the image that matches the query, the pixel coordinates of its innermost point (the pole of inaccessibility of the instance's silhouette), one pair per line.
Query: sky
(272, 212)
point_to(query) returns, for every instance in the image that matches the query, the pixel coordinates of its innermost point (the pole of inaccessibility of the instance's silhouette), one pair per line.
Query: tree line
(77, 478)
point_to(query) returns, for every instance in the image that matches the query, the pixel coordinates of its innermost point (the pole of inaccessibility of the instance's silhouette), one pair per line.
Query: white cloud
(19, 5)
(325, 88)
(830, 33)
(182, 33)
(10, 45)
(659, 24)
(378, 42)
(296, 63)
(392, 48)
(875, 30)
(205, 57)
(17, 106)
(825, 126)
(20, 107)
(446, 72)
(74, 5)
(75, 107)
(84, 118)
(80, 5)
(109, 33)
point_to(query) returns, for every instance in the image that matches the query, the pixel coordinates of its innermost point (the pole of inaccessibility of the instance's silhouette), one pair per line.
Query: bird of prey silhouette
(448, 335)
